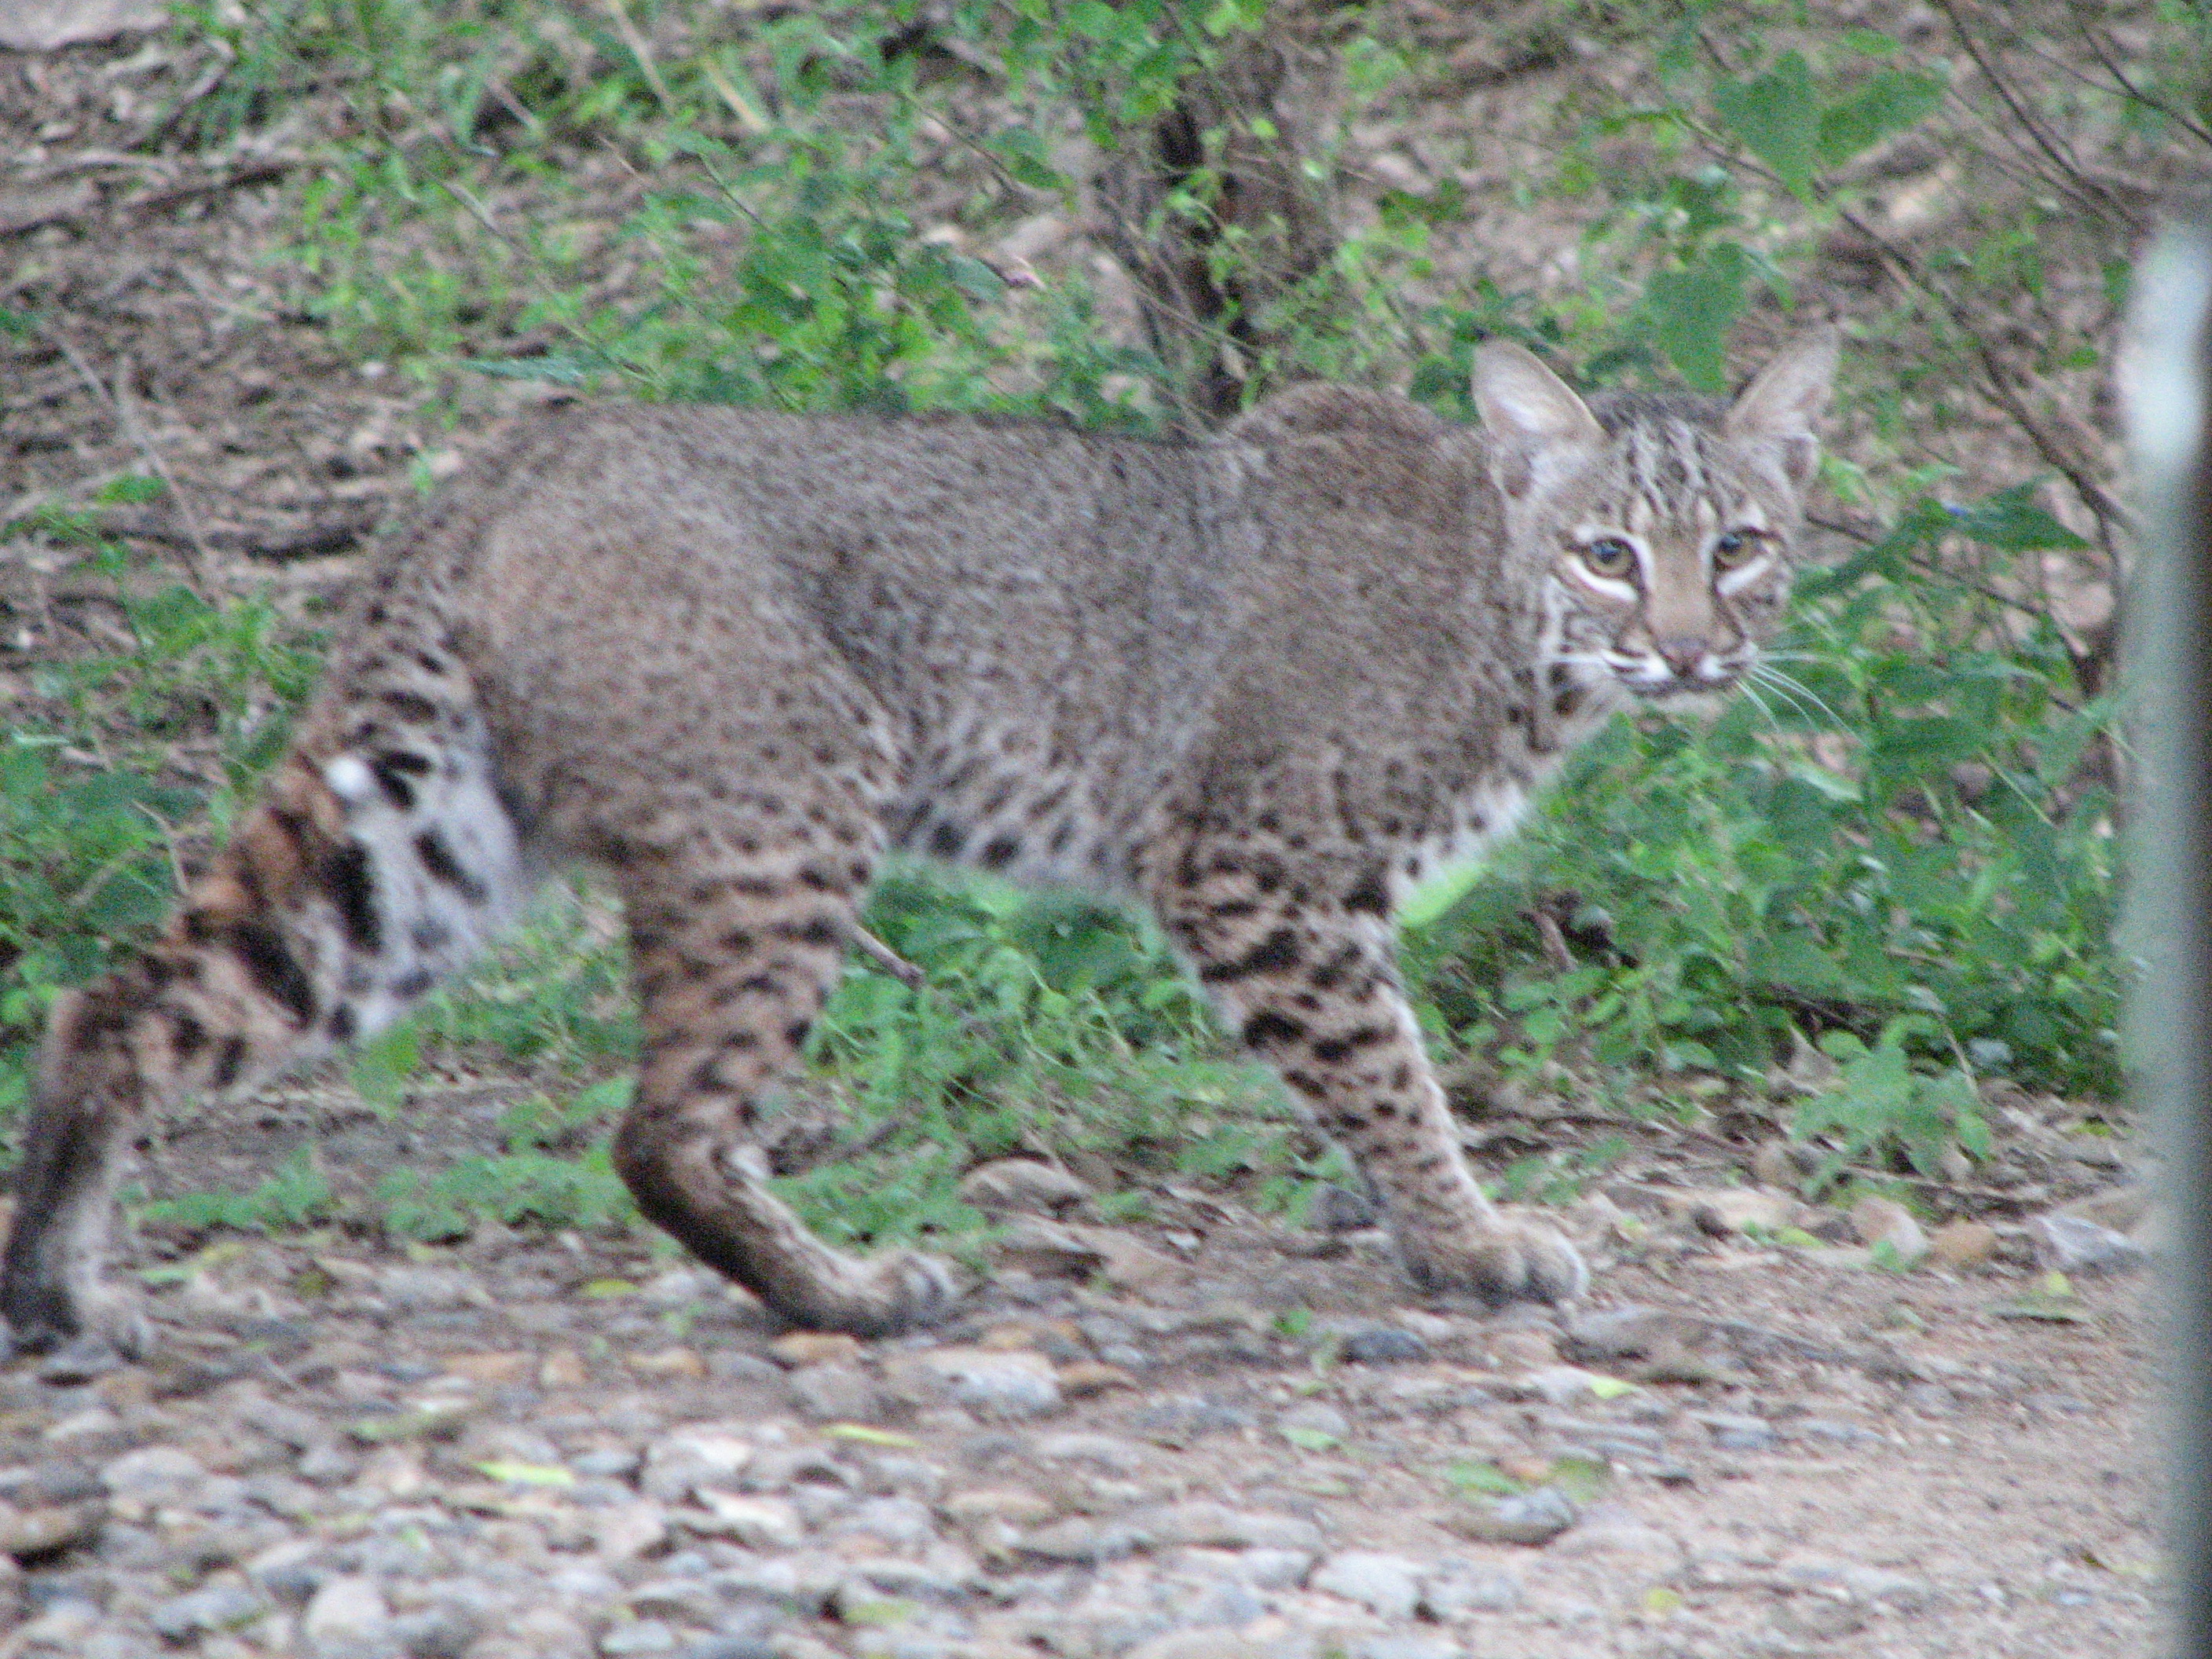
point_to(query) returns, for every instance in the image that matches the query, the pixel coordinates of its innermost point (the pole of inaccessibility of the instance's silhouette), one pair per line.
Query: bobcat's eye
(1610, 556)
(1736, 549)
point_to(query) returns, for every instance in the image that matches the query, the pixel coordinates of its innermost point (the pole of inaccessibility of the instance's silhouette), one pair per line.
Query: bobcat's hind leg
(1306, 976)
(735, 955)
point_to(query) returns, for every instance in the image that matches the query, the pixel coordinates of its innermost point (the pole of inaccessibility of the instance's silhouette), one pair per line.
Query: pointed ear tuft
(1784, 400)
(1537, 425)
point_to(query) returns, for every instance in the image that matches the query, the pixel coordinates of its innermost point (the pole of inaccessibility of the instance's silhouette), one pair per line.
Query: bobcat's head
(1666, 521)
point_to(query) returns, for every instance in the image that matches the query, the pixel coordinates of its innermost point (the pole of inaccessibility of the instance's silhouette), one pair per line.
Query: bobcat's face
(1666, 522)
(1671, 568)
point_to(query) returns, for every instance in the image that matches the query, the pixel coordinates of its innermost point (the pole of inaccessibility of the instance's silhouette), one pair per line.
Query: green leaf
(1892, 101)
(1776, 117)
(869, 1436)
(2010, 519)
(1312, 1440)
(1023, 155)
(606, 1290)
(527, 1474)
(1692, 312)
(1484, 1478)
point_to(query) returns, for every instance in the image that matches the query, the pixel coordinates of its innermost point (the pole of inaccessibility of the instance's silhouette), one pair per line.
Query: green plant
(297, 1195)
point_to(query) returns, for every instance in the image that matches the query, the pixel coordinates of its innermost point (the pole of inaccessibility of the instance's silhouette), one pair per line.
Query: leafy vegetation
(1897, 846)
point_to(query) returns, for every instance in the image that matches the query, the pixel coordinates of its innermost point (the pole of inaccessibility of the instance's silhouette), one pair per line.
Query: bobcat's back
(1039, 627)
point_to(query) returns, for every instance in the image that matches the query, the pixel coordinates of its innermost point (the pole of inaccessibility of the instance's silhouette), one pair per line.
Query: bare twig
(888, 959)
(119, 399)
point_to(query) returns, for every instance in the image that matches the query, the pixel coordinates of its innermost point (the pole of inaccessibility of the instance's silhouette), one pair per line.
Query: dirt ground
(1209, 1435)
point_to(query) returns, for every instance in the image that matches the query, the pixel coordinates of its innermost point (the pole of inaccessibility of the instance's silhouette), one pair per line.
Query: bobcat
(1262, 683)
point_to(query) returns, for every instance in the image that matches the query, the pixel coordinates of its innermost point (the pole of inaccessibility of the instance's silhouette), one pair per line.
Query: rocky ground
(1207, 1439)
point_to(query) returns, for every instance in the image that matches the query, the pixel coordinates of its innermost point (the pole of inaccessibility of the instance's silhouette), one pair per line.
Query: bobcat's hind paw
(1507, 1262)
(883, 1295)
(90, 1333)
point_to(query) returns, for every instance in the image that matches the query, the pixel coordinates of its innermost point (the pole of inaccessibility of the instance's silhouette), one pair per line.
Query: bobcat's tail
(379, 859)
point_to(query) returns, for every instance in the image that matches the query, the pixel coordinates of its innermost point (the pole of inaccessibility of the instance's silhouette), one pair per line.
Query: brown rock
(489, 1368)
(1022, 1186)
(48, 1529)
(1885, 1221)
(1088, 1377)
(671, 1361)
(799, 1348)
(1962, 1245)
(1723, 1211)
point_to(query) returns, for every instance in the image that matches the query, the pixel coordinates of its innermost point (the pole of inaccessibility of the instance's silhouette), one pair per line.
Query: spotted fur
(1262, 684)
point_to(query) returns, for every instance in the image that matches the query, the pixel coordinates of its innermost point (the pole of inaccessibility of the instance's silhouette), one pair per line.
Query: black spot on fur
(342, 1023)
(1331, 974)
(795, 1033)
(815, 930)
(413, 984)
(431, 934)
(1275, 954)
(392, 770)
(438, 858)
(186, 1035)
(738, 942)
(1267, 1028)
(1402, 1078)
(230, 1062)
(1335, 1048)
(999, 851)
(1371, 893)
(409, 707)
(353, 889)
(270, 963)
(759, 985)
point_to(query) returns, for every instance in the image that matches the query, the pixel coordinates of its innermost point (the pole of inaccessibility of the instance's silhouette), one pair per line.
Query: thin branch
(119, 399)
(2060, 157)
(888, 959)
(2099, 45)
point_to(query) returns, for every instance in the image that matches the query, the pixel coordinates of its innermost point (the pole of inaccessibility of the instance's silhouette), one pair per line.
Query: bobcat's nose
(1683, 654)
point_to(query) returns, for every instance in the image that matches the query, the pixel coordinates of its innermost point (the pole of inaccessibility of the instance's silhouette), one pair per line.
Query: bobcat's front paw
(1506, 1261)
(883, 1295)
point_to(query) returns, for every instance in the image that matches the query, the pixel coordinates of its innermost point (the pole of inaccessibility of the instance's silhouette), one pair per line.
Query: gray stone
(1022, 1185)
(344, 1613)
(836, 1393)
(1530, 1517)
(1835, 1432)
(894, 1521)
(997, 1384)
(1221, 1527)
(640, 1636)
(1452, 1589)
(1390, 1586)
(1316, 1415)
(1108, 1452)
(153, 1473)
(1084, 1541)
(1383, 1345)
(218, 1608)
(1405, 1647)
(2071, 1244)
(1272, 1569)
(1737, 1432)
(1179, 1418)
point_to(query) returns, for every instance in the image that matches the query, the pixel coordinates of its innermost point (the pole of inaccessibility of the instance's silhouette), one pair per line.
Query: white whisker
(1789, 684)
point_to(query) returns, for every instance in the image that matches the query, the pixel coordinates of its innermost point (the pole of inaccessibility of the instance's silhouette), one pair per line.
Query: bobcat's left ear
(1785, 399)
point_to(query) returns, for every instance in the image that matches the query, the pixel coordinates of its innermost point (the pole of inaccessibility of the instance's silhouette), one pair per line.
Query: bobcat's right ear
(1538, 427)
